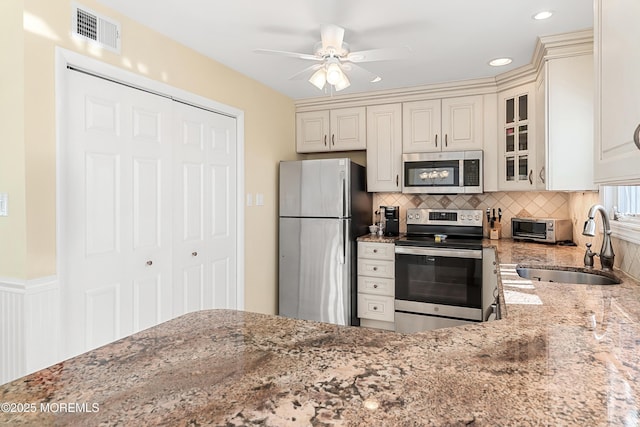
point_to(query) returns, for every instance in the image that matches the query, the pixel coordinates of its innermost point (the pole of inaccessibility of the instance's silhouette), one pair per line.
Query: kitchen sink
(567, 276)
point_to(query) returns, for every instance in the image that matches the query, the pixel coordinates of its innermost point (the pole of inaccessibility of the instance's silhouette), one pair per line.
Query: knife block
(496, 232)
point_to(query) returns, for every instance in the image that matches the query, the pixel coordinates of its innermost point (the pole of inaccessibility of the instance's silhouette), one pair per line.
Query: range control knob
(462, 217)
(417, 216)
(410, 216)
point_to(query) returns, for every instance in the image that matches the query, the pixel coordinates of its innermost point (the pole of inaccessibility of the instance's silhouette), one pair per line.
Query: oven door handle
(440, 252)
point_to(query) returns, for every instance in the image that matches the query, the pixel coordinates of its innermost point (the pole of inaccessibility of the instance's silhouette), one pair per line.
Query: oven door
(441, 276)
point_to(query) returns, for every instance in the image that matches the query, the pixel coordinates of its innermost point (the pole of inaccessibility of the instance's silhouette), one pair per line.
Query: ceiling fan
(333, 59)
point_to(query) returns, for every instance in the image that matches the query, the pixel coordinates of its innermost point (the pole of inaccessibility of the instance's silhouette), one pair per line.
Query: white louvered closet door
(205, 210)
(116, 208)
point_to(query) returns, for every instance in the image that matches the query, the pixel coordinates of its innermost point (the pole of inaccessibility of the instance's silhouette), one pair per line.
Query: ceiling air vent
(99, 29)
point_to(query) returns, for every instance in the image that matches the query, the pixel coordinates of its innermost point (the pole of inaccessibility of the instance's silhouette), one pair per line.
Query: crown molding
(547, 47)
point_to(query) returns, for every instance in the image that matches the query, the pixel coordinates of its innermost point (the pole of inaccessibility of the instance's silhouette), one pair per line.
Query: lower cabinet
(376, 285)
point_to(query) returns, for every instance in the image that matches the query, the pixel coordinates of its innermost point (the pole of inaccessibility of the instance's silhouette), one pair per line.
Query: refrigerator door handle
(343, 236)
(344, 197)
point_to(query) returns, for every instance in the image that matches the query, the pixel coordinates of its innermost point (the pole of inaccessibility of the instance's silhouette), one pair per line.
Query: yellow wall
(269, 135)
(13, 249)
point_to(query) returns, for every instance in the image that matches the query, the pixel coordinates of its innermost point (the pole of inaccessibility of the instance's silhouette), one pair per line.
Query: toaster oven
(545, 230)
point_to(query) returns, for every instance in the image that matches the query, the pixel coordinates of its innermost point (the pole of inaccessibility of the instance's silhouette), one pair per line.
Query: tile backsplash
(543, 204)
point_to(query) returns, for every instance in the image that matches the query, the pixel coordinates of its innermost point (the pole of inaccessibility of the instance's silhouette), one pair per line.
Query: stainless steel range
(439, 270)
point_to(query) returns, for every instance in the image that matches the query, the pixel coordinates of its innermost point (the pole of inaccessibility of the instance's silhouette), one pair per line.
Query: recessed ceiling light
(545, 14)
(499, 62)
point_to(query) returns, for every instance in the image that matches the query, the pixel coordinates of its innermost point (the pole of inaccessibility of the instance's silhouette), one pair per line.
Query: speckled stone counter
(568, 355)
(374, 238)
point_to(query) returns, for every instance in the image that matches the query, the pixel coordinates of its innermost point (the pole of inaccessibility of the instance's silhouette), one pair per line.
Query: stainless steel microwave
(446, 172)
(545, 230)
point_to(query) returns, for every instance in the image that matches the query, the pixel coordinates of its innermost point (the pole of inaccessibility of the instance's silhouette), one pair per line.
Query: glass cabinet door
(516, 128)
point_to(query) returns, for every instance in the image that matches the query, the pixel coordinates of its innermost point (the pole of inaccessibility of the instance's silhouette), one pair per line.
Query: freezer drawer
(315, 274)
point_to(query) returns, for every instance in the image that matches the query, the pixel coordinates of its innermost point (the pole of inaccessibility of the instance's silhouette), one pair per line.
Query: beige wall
(27, 164)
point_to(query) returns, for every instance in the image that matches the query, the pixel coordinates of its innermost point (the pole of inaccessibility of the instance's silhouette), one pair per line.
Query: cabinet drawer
(376, 285)
(376, 307)
(376, 268)
(376, 250)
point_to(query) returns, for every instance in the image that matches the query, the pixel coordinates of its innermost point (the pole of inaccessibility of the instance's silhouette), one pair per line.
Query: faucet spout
(606, 251)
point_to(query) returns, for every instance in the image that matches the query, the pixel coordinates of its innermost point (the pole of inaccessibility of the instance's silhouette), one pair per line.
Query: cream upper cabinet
(450, 124)
(516, 163)
(384, 148)
(617, 106)
(564, 111)
(341, 129)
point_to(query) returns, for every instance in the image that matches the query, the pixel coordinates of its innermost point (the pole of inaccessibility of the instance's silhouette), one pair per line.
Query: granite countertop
(564, 355)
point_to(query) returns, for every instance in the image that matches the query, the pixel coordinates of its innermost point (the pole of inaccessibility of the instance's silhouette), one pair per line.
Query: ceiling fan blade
(289, 54)
(386, 54)
(332, 36)
(361, 72)
(305, 73)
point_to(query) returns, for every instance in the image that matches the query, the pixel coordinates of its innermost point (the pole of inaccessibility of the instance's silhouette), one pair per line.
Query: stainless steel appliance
(438, 279)
(391, 215)
(446, 172)
(545, 230)
(323, 208)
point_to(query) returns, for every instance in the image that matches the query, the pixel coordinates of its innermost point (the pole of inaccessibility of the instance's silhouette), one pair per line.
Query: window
(623, 205)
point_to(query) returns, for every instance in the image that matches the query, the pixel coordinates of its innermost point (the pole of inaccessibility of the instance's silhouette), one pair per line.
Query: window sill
(629, 231)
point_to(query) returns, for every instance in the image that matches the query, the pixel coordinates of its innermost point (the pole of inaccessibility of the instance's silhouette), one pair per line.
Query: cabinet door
(421, 126)
(462, 123)
(569, 125)
(617, 113)
(312, 132)
(517, 142)
(384, 148)
(348, 129)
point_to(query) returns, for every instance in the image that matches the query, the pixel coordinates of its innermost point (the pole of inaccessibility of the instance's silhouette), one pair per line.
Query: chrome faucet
(606, 251)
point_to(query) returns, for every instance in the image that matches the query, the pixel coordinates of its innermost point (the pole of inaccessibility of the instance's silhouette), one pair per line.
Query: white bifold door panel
(204, 214)
(147, 211)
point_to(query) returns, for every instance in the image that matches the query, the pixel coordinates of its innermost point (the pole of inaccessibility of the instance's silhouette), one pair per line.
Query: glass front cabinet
(517, 151)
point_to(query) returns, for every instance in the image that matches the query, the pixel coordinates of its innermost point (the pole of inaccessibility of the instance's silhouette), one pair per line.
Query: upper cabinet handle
(325, 140)
(530, 177)
(541, 175)
(436, 139)
(333, 139)
(446, 139)
(636, 137)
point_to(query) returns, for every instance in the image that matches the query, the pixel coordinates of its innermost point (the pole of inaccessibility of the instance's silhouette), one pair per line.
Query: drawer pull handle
(375, 308)
(149, 262)
(375, 251)
(375, 268)
(194, 253)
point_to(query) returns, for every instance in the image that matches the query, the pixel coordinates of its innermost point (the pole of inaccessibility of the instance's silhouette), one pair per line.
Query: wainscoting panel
(29, 326)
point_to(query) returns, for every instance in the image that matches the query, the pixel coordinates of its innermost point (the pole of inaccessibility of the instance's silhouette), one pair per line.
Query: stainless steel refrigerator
(324, 207)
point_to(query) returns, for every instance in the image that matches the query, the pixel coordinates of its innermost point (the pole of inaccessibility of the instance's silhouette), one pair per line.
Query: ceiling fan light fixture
(343, 83)
(319, 78)
(334, 73)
